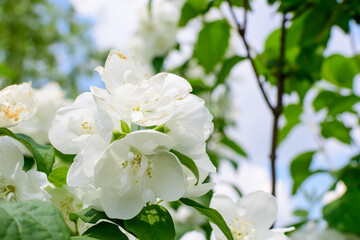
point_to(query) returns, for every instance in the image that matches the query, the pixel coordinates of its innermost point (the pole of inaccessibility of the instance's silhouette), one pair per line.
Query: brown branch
(279, 106)
(241, 31)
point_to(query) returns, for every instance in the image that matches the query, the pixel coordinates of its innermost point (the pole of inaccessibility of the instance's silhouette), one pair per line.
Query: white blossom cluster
(17, 104)
(130, 141)
(124, 136)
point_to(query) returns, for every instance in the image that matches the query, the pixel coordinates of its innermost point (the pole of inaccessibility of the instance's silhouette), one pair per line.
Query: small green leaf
(299, 169)
(292, 114)
(69, 158)
(187, 162)
(58, 176)
(157, 63)
(343, 214)
(339, 70)
(153, 223)
(88, 215)
(335, 103)
(125, 127)
(211, 214)
(44, 155)
(337, 130)
(162, 128)
(301, 213)
(117, 135)
(105, 231)
(32, 220)
(228, 64)
(233, 145)
(212, 43)
(190, 10)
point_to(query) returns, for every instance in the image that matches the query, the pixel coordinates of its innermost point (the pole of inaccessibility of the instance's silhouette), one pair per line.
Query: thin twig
(246, 4)
(279, 106)
(241, 31)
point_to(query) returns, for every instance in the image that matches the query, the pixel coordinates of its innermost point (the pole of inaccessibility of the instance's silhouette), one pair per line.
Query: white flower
(50, 98)
(17, 103)
(15, 183)
(312, 231)
(193, 235)
(131, 96)
(156, 33)
(73, 126)
(66, 201)
(331, 196)
(136, 170)
(250, 218)
(189, 128)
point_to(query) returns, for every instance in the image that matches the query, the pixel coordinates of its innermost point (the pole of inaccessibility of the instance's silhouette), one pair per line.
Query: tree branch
(241, 31)
(279, 106)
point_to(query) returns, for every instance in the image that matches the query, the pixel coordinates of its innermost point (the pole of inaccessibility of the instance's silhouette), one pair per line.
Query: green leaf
(105, 231)
(153, 223)
(117, 135)
(335, 103)
(301, 213)
(32, 220)
(157, 63)
(211, 214)
(299, 169)
(339, 70)
(58, 176)
(233, 145)
(187, 162)
(337, 130)
(343, 214)
(125, 127)
(44, 155)
(228, 64)
(212, 43)
(190, 10)
(88, 215)
(69, 158)
(292, 114)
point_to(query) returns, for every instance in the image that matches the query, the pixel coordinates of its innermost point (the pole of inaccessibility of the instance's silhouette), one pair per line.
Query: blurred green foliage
(44, 41)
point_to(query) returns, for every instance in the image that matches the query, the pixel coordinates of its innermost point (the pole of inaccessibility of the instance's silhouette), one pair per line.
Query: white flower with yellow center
(17, 103)
(15, 183)
(136, 170)
(132, 96)
(250, 218)
(50, 98)
(74, 126)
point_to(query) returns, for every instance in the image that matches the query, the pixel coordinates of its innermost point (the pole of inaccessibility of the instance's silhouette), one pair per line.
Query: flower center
(242, 229)
(140, 166)
(7, 191)
(13, 111)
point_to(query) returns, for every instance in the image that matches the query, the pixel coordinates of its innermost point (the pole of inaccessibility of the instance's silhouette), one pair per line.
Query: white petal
(123, 206)
(167, 181)
(198, 190)
(205, 163)
(10, 156)
(147, 141)
(269, 235)
(81, 171)
(30, 185)
(108, 167)
(260, 208)
(225, 206)
(123, 69)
